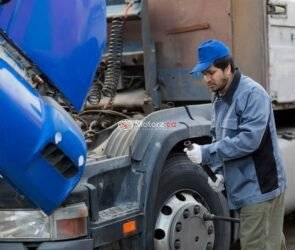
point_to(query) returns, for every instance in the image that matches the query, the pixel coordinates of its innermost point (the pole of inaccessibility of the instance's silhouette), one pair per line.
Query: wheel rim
(180, 224)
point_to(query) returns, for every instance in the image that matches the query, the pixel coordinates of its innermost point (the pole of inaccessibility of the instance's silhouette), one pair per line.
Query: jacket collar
(228, 96)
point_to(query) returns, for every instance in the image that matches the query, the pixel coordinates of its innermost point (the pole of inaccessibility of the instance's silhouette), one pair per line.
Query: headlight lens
(65, 223)
(24, 224)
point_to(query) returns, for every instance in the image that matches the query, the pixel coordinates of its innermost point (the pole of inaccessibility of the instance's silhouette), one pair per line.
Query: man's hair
(224, 62)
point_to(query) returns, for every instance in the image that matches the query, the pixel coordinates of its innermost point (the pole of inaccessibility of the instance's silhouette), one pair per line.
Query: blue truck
(97, 102)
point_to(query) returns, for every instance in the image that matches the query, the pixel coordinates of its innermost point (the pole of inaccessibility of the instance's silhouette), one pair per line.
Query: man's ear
(228, 70)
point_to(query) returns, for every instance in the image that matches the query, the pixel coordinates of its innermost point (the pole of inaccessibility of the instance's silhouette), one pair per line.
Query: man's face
(216, 79)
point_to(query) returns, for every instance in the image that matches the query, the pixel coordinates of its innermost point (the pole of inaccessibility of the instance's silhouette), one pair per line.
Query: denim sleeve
(253, 122)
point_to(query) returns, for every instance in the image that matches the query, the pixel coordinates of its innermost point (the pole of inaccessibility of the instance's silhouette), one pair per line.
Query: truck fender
(156, 137)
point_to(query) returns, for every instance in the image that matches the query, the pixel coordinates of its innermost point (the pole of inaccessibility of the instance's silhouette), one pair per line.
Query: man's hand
(195, 154)
(218, 185)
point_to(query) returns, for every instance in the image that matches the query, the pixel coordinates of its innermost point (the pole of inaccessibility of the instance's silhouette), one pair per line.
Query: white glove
(218, 185)
(195, 154)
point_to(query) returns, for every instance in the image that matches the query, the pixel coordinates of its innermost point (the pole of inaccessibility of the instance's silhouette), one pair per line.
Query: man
(244, 150)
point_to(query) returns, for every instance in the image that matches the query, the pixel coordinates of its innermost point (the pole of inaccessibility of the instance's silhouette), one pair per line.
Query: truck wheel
(182, 199)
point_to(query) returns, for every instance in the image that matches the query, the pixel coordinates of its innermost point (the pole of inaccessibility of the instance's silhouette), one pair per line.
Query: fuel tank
(287, 147)
(65, 39)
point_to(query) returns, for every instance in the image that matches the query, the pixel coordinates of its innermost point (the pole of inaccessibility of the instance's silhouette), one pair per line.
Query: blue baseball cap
(207, 53)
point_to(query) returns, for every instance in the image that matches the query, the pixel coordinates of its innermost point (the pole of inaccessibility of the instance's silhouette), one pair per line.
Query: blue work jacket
(245, 146)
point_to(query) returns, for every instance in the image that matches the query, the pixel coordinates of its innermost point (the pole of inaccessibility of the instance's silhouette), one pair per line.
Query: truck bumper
(84, 244)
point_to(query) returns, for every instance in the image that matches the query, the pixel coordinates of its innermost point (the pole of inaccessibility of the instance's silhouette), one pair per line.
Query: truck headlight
(29, 225)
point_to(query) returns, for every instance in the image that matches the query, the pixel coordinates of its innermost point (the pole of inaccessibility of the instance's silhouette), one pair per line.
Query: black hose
(114, 59)
(94, 95)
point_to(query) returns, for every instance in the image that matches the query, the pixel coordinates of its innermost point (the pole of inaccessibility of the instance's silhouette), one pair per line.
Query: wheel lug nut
(209, 246)
(210, 229)
(186, 214)
(177, 244)
(178, 227)
(196, 238)
(197, 209)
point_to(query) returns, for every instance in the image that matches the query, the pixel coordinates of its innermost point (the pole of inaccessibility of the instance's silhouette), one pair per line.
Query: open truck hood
(65, 39)
(11, 199)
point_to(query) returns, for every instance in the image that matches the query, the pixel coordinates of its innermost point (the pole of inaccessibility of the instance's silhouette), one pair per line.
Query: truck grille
(59, 160)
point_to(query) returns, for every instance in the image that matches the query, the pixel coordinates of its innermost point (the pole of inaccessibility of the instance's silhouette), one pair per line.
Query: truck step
(117, 212)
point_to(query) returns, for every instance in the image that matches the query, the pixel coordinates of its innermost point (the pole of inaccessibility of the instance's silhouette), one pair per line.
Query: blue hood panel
(65, 39)
(43, 151)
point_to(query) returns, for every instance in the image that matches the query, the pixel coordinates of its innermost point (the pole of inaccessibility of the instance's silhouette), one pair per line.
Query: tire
(182, 180)
(121, 139)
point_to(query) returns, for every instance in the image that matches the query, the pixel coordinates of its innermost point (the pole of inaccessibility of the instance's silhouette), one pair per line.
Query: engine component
(94, 95)
(134, 99)
(114, 59)
(96, 121)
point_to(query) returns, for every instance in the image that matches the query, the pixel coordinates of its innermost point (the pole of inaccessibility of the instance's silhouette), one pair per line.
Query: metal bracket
(279, 9)
(118, 10)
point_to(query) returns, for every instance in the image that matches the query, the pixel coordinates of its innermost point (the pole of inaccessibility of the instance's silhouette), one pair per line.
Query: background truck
(138, 189)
